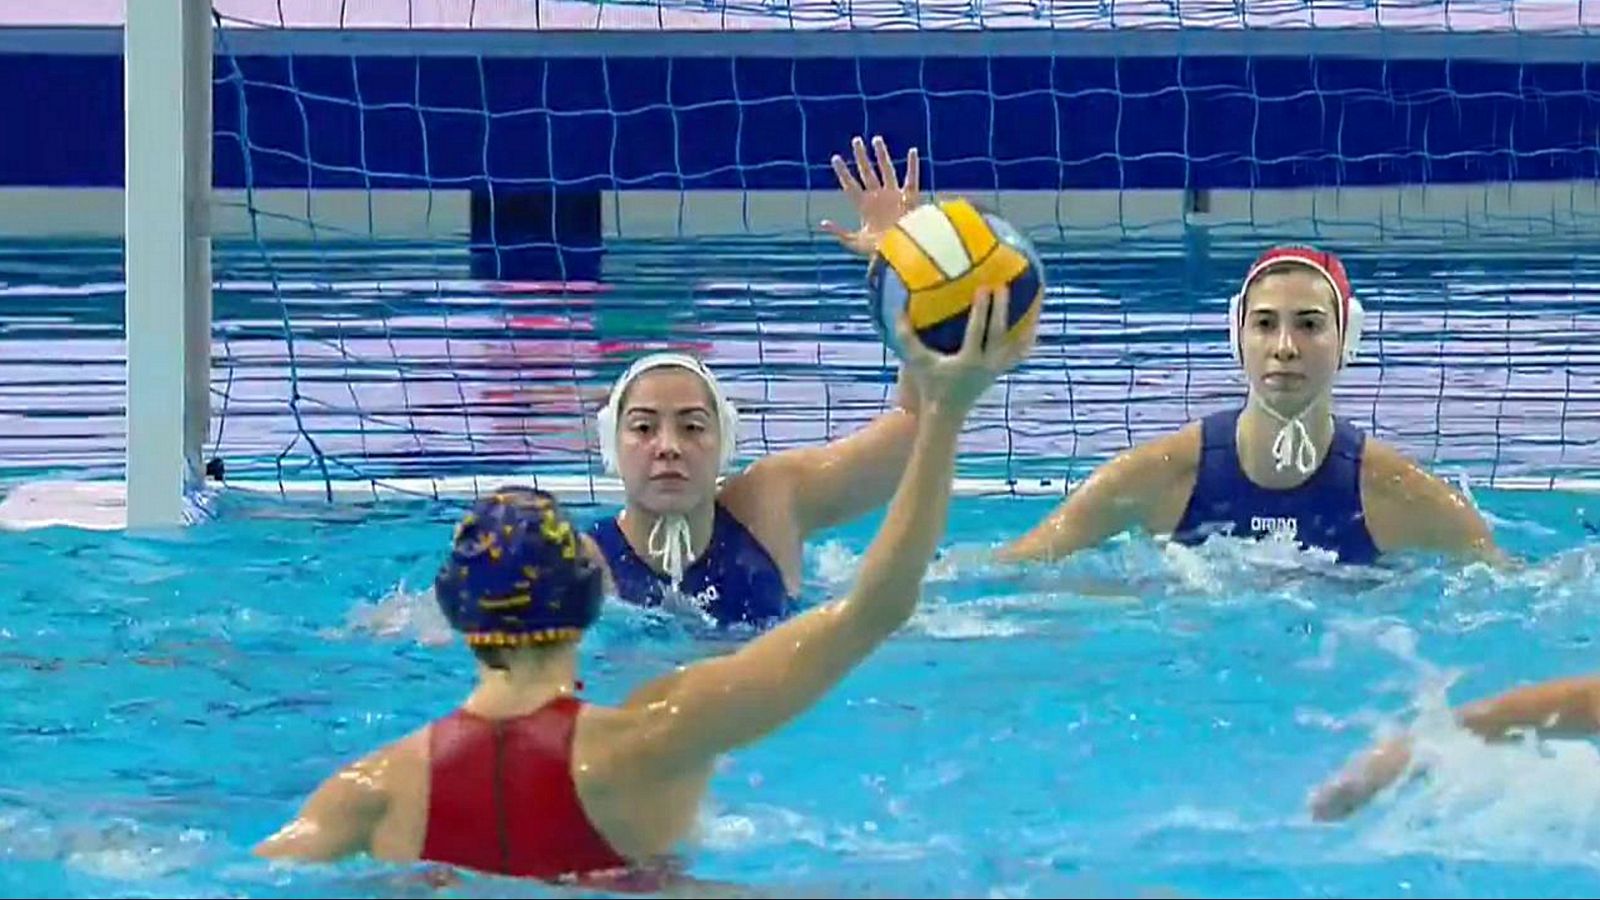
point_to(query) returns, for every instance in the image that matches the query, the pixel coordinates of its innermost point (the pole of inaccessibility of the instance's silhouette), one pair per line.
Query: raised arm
(842, 480)
(1567, 707)
(847, 478)
(714, 706)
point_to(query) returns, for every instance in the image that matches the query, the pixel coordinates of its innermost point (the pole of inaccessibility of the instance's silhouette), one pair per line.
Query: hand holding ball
(931, 263)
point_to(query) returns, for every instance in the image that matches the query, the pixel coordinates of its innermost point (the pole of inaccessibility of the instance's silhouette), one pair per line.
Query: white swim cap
(727, 415)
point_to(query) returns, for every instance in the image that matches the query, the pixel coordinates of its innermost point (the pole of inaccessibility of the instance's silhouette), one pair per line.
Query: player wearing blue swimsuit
(735, 550)
(1325, 511)
(734, 580)
(1282, 466)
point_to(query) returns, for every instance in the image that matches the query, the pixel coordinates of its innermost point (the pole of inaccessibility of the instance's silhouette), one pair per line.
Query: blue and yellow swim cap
(517, 573)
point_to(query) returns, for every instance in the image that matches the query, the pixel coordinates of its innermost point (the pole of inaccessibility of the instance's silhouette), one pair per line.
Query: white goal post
(167, 257)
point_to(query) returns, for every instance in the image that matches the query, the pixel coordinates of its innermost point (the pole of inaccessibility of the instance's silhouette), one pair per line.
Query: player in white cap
(733, 548)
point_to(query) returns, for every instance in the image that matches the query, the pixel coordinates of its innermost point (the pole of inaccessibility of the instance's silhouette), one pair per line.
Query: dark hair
(493, 657)
(499, 658)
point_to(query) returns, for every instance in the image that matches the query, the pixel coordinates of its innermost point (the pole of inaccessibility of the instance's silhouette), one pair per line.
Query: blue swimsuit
(1325, 512)
(735, 581)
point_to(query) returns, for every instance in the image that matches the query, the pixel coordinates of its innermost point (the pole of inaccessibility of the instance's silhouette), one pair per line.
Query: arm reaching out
(1566, 707)
(1114, 498)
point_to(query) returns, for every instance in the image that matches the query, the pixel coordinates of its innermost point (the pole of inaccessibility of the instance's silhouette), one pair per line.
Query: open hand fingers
(886, 172)
(869, 178)
(977, 324)
(847, 181)
(995, 348)
(1023, 347)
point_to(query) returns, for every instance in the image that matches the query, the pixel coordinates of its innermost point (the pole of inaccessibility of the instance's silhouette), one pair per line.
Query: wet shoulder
(1400, 498)
(1169, 466)
(400, 772)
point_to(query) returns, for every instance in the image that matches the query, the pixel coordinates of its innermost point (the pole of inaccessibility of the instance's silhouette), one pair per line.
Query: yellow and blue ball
(934, 259)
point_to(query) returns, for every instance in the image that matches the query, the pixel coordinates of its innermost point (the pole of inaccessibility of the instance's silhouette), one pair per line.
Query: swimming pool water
(371, 361)
(1139, 720)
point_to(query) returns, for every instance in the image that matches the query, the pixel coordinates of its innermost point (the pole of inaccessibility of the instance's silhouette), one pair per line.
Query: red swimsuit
(502, 798)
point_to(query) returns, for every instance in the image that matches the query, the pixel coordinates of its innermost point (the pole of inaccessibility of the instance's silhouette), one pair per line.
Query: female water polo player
(735, 552)
(1282, 464)
(525, 778)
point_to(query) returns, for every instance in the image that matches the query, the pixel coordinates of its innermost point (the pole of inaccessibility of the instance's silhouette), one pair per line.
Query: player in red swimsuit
(525, 778)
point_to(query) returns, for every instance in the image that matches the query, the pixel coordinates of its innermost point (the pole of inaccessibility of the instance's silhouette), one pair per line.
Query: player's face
(1290, 339)
(668, 441)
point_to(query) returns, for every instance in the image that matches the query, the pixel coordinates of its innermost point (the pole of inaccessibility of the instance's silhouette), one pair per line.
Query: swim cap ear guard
(727, 414)
(1349, 314)
(517, 573)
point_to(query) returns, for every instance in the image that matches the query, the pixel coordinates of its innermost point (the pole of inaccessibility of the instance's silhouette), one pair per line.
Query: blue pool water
(1136, 720)
(1139, 720)
(358, 362)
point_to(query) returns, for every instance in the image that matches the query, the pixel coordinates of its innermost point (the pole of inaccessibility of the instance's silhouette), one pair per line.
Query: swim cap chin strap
(671, 541)
(1293, 445)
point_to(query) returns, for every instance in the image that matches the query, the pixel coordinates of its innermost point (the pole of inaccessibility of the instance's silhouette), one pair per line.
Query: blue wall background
(760, 123)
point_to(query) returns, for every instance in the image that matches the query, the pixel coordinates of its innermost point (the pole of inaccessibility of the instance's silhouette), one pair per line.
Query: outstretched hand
(878, 196)
(954, 382)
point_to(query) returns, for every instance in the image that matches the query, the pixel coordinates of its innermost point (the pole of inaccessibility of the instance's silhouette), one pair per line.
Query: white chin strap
(671, 543)
(1293, 445)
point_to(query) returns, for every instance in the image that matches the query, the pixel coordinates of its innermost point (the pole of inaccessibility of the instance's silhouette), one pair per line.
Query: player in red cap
(1281, 465)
